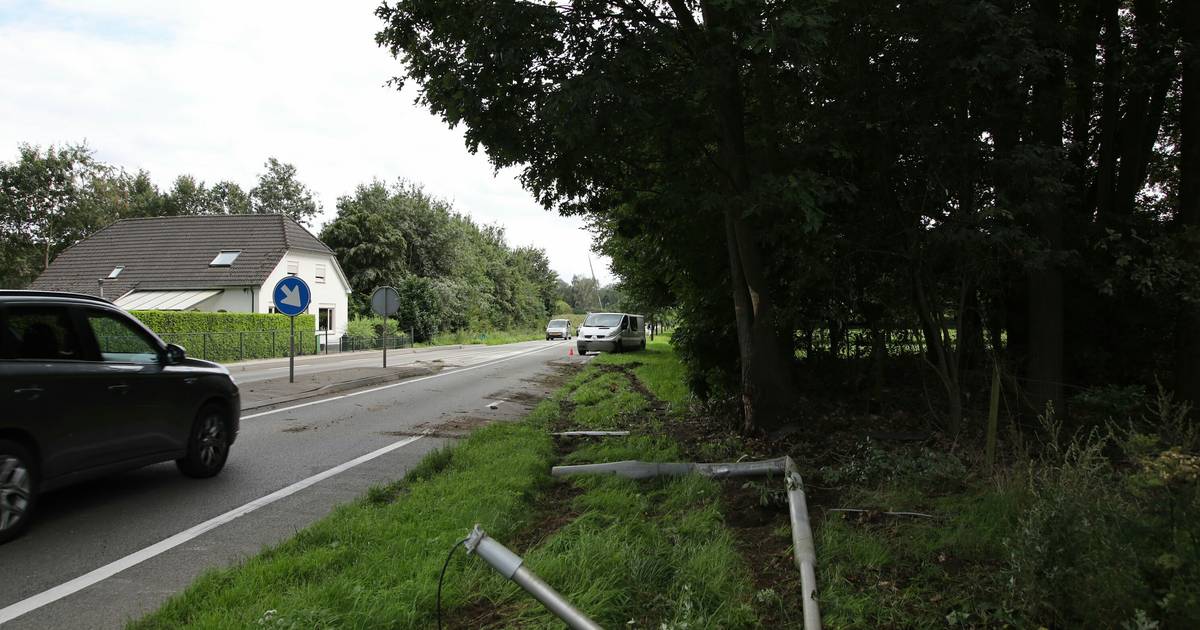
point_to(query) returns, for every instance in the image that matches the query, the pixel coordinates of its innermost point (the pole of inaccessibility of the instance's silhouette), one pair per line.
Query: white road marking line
(49, 596)
(401, 383)
(71, 587)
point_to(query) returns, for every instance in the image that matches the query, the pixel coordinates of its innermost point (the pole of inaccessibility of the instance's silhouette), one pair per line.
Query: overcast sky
(213, 88)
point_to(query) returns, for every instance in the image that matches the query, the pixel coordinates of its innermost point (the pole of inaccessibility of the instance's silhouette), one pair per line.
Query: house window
(325, 318)
(293, 267)
(320, 274)
(112, 275)
(225, 258)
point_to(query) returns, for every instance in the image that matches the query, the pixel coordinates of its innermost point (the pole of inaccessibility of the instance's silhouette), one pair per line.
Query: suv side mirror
(174, 354)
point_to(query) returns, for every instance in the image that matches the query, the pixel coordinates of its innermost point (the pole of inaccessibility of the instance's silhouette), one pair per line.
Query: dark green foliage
(231, 336)
(991, 174)
(452, 275)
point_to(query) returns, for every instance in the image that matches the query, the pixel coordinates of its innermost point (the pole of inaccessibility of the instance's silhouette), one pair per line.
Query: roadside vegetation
(652, 552)
(1095, 529)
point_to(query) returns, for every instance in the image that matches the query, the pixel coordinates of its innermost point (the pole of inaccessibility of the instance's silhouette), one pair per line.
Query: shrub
(368, 327)
(231, 336)
(1070, 559)
(869, 465)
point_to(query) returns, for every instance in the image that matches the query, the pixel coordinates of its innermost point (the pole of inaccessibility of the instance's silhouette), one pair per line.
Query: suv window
(40, 333)
(119, 341)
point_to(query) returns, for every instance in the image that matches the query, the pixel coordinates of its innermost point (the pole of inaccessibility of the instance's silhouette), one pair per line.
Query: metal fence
(267, 344)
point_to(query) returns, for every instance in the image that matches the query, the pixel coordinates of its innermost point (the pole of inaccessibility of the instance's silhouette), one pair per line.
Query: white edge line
(49, 596)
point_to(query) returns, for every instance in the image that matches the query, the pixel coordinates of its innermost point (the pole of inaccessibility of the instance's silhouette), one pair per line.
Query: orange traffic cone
(570, 350)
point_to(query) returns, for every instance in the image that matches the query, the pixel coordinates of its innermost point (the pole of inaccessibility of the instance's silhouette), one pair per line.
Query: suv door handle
(119, 389)
(32, 392)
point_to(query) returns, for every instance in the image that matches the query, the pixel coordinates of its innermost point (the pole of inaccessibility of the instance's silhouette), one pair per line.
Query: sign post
(291, 297)
(385, 301)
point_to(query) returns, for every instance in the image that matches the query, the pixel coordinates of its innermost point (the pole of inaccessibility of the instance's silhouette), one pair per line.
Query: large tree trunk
(1187, 358)
(1046, 283)
(768, 398)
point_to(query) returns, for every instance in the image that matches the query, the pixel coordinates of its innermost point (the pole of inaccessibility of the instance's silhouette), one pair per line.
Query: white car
(612, 332)
(558, 329)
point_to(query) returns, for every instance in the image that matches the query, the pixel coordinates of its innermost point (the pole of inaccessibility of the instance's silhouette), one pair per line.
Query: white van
(558, 329)
(611, 332)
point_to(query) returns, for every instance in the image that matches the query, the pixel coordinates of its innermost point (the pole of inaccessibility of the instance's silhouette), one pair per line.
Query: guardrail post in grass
(511, 566)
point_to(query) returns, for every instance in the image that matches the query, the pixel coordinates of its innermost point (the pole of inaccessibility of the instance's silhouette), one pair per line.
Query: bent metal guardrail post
(803, 552)
(511, 566)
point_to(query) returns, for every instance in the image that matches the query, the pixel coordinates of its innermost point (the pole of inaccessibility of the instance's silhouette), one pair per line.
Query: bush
(231, 336)
(1071, 560)
(368, 327)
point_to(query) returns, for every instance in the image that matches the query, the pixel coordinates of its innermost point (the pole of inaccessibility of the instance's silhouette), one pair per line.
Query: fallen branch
(857, 510)
(589, 433)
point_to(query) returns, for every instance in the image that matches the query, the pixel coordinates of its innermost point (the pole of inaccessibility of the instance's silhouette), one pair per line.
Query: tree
(600, 103)
(280, 192)
(453, 275)
(45, 206)
(367, 239)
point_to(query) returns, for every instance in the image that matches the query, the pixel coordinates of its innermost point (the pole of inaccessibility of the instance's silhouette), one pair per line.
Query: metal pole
(511, 566)
(242, 346)
(292, 352)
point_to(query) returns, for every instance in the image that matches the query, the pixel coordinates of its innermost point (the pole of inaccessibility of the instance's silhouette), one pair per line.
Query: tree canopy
(451, 273)
(990, 175)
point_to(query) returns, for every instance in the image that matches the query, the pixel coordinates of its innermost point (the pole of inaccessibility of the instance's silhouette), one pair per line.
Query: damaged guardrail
(511, 566)
(803, 552)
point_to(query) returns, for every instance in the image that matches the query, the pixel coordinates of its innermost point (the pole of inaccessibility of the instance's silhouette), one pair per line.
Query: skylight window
(225, 258)
(112, 275)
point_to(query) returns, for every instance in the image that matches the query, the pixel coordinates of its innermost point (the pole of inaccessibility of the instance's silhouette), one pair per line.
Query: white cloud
(214, 88)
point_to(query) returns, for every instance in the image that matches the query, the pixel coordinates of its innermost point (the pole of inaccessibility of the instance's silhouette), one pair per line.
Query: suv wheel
(17, 483)
(208, 445)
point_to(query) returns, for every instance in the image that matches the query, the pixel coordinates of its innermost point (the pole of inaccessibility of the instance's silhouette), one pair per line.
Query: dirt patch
(452, 428)
(767, 553)
(299, 429)
(552, 512)
(481, 613)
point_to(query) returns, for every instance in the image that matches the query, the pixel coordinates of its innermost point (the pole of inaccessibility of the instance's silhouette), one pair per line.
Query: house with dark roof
(203, 263)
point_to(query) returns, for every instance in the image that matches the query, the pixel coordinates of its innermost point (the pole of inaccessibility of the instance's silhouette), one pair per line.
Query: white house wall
(231, 299)
(333, 292)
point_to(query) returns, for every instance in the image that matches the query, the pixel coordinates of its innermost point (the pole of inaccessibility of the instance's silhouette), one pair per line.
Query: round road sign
(385, 301)
(291, 296)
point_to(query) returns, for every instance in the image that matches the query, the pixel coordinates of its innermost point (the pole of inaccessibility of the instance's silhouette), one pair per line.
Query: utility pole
(596, 282)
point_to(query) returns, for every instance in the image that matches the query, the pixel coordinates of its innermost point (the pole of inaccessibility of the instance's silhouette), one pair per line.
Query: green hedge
(231, 336)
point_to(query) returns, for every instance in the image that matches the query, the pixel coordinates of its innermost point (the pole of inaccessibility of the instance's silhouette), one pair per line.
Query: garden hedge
(231, 336)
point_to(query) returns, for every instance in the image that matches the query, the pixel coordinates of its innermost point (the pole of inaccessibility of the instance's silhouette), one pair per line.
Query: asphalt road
(291, 465)
(256, 371)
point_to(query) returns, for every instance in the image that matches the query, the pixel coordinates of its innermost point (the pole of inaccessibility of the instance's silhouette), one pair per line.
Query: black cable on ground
(443, 577)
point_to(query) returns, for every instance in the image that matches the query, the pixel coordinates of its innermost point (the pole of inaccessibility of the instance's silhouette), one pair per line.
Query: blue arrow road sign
(291, 296)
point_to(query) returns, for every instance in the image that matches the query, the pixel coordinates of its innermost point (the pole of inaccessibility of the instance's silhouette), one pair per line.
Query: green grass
(655, 552)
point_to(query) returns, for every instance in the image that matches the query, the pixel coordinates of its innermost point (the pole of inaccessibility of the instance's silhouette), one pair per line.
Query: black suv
(86, 390)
